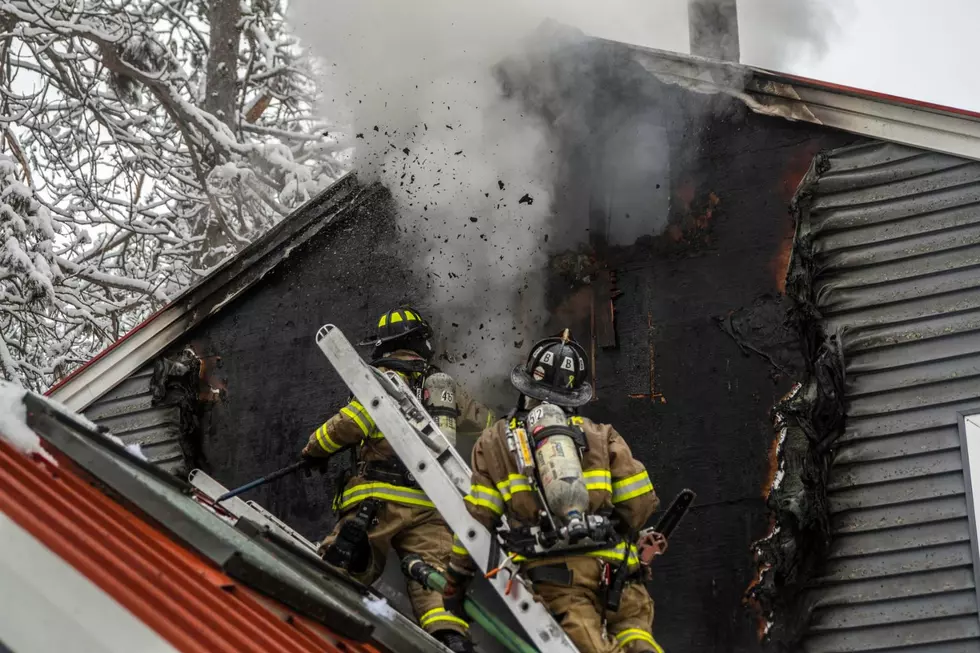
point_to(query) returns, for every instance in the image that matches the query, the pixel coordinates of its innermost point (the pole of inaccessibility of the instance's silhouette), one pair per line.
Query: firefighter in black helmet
(583, 486)
(381, 507)
(401, 329)
(555, 372)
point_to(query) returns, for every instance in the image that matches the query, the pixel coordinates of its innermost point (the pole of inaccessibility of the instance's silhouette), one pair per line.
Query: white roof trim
(232, 278)
(768, 93)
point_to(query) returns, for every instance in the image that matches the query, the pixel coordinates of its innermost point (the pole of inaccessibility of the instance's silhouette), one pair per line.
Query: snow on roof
(13, 422)
(873, 115)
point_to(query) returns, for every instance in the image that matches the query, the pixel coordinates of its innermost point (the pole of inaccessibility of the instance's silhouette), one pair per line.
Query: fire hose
(416, 569)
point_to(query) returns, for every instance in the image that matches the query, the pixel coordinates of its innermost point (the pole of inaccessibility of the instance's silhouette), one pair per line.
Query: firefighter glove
(457, 585)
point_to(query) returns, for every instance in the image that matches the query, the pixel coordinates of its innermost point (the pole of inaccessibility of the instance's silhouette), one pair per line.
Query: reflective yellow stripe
(411, 317)
(515, 483)
(489, 419)
(486, 497)
(385, 492)
(358, 407)
(458, 547)
(355, 411)
(631, 487)
(576, 420)
(598, 480)
(633, 634)
(396, 317)
(357, 419)
(383, 321)
(441, 614)
(616, 554)
(325, 441)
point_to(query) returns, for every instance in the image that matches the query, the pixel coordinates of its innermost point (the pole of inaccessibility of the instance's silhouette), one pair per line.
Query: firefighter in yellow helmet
(380, 505)
(579, 483)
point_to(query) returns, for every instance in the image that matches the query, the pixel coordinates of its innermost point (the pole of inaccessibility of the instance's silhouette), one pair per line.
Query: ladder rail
(441, 473)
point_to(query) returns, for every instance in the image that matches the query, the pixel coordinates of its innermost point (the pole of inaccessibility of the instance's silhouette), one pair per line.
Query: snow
(105, 209)
(13, 422)
(133, 448)
(379, 607)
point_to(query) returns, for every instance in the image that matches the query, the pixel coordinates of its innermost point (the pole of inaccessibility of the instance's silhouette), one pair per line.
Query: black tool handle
(262, 480)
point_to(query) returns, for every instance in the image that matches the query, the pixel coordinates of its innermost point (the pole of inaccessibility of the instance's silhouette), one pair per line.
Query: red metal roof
(191, 604)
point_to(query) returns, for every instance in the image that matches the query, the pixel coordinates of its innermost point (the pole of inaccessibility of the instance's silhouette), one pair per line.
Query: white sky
(921, 49)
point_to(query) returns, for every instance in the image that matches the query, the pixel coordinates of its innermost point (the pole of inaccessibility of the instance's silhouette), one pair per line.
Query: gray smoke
(473, 173)
(780, 33)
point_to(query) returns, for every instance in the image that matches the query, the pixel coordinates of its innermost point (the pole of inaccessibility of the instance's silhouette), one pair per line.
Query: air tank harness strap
(558, 574)
(614, 580)
(575, 433)
(391, 472)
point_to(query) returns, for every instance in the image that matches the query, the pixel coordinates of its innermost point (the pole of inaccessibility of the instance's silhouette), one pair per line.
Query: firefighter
(584, 487)
(380, 505)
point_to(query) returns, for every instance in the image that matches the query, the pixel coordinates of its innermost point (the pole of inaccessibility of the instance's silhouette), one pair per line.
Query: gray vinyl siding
(896, 237)
(129, 412)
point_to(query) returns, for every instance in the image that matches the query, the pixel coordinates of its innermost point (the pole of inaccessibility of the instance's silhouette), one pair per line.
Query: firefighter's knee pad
(351, 550)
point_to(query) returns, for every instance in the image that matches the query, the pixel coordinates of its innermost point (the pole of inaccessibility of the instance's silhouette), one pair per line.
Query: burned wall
(669, 267)
(277, 386)
(681, 289)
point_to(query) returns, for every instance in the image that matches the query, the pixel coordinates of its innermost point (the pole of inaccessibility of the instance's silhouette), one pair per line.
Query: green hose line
(500, 632)
(436, 581)
(514, 642)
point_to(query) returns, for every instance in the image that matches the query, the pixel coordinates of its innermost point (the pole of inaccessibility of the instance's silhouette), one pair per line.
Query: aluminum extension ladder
(441, 473)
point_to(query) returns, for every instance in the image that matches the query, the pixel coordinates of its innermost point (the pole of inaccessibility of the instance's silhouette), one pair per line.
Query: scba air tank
(439, 399)
(559, 466)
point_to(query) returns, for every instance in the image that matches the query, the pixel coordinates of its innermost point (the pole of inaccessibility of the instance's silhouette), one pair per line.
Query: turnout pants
(578, 608)
(409, 529)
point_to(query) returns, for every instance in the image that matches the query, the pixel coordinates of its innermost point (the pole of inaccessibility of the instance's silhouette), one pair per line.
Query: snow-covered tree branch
(141, 143)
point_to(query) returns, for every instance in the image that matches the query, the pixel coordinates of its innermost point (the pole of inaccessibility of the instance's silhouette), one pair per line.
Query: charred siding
(132, 414)
(896, 247)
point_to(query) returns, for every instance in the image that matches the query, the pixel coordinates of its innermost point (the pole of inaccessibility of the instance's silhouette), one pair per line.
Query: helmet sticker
(568, 363)
(548, 358)
(571, 381)
(538, 373)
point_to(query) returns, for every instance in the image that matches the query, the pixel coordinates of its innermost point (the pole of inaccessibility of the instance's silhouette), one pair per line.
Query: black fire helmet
(401, 328)
(555, 372)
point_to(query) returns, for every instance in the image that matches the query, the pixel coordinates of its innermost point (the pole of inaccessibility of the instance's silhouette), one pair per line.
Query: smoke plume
(780, 33)
(473, 173)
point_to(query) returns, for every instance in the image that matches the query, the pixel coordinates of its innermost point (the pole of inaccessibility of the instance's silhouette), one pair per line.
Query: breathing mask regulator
(548, 451)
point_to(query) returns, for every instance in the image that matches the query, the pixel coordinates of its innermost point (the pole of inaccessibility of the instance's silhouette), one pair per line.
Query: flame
(773, 464)
(698, 213)
(793, 174)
